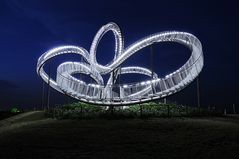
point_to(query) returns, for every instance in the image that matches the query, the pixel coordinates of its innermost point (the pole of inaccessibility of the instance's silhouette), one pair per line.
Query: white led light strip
(121, 94)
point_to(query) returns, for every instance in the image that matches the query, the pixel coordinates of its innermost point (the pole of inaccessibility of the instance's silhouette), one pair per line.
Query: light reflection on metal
(121, 94)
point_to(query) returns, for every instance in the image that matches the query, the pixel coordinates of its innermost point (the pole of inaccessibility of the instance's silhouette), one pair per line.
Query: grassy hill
(31, 135)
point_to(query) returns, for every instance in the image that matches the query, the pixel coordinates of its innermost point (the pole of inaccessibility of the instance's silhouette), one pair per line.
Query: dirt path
(13, 119)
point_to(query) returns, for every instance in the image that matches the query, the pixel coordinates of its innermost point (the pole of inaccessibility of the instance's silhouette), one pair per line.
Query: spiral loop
(121, 94)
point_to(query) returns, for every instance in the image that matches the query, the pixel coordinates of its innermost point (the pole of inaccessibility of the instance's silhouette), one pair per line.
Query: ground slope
(131, 138)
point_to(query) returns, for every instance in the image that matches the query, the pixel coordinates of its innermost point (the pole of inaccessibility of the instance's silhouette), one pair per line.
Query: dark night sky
(29, 28)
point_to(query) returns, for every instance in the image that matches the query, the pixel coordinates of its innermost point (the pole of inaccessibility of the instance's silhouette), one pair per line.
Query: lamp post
(42, 96)
(198, 93)
(48, 87)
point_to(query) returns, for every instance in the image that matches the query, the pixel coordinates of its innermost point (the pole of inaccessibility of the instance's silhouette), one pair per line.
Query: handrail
(122, 94)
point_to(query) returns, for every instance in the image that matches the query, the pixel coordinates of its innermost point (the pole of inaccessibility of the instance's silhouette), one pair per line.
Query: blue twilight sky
(28, 28)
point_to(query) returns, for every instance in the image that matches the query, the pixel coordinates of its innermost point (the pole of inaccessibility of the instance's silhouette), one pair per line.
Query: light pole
(198, 93)
(48, 87)
(42, 97)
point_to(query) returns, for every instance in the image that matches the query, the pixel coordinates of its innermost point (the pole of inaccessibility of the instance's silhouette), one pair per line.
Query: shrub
(87, 111)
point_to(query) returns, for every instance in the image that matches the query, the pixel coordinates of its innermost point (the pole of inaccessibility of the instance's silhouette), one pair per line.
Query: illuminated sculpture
(121, 94)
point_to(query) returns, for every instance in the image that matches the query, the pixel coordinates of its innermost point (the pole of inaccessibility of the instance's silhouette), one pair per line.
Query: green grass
(128, 138)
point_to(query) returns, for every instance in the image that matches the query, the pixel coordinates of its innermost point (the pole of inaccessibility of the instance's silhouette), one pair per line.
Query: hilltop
(32, 135)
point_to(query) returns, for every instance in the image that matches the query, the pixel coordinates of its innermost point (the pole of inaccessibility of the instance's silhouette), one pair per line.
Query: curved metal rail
(121, 94)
